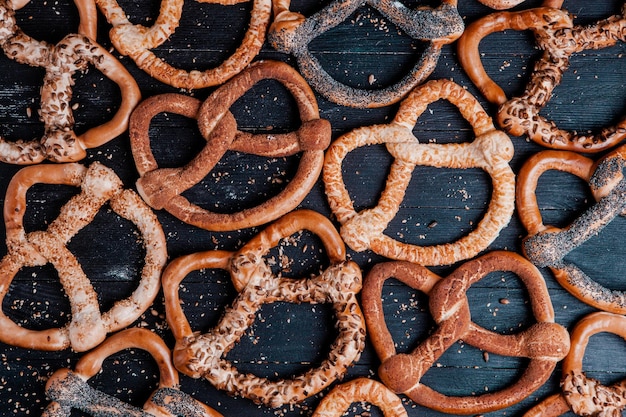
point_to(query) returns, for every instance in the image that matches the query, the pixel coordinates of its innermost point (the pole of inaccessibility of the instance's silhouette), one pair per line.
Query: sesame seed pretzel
(137, 42)
(69, 390)
(291, 33)
(544, 343)
(99, 186)
(203, 355)
(490, 151)
(547, 246)
(161, 188)
(559, 38)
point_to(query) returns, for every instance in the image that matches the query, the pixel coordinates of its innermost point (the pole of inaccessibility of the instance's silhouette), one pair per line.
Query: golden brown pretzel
(544, 343)
(490, 151)
(546, 246)
(162, 188)
(203, 355)
(99, 186)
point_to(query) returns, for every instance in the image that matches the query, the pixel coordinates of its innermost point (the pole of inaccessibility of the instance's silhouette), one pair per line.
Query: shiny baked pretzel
(490, 151)
(291, 33)
(547, 246)
(69, 389)
(203, 355)
(559, 38)
(161, 188)
(544, 343)
(581, 394)
(137, 42)
(99, 186)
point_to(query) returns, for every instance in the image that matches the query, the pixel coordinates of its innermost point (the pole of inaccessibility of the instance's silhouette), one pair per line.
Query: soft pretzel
(491, 151)
(203, 355)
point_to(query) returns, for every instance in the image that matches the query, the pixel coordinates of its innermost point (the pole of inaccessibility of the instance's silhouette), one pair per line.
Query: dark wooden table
(441, 205)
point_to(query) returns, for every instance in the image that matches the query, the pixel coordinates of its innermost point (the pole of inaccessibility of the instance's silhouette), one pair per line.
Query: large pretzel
(69, 390)
(544, 343)
(291, 33)
(99, 186)
(162, 187)
(490, 151)
(547, 246)
(557, 36)
(137, 42)
(203, 355)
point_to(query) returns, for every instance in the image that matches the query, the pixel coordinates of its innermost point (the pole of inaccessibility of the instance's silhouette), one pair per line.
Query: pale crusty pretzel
(547, 246)
(99, 186)
(69, 390)
(501, 4)
(291, 33)
(137, 42)
(161, 188)
(490, 151)
(544, 343)
(559, 38)
(203, 355)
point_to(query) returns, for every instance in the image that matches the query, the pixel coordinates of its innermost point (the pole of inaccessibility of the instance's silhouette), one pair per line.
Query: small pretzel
(162, 187)
(501, 4)
(544, 343)
(490, 151)
(69, 390)
(137, 42)
(291, 33)
(99, 186)
(203, 355)
(557, 36)
(547, 246)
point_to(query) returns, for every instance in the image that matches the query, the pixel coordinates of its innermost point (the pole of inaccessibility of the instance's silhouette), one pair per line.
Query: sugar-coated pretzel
(559, 38)
(161, 188)
(203, 355)
(547, 246)
(99, 186)
(69, 390)
(490, 151)
(137, 42)
(291, 32)
(544, 343)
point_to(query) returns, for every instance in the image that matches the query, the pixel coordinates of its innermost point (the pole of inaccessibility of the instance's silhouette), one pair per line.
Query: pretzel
(547, 246)
(99, 186)
(69, 390)
(291, 33)
(559, 38)
(544, 343)
(137, 42)
(490, 151)
(161, 188)
(203, 355)
(581, 394)
(501, 4)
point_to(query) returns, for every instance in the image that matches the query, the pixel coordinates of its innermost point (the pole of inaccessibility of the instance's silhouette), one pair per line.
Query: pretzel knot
(99, 186)
(490, 151)
(203, 355)
(162, 188)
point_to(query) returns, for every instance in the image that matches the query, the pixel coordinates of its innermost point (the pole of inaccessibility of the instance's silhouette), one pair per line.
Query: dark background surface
(441, 205)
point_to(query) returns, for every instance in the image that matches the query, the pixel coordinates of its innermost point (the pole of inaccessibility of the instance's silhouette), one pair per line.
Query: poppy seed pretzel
(203, 355)
(99, 186)
(491, 151)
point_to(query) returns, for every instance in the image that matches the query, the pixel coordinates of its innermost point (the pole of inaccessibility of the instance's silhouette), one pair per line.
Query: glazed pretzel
(544, 343)
(162, 187)
(99, 186)
(203, 355)
(490, 151)
(557, 36)
(580, 394)
(291, 33)
(547, 246)
(69, 390)
(137, 42)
